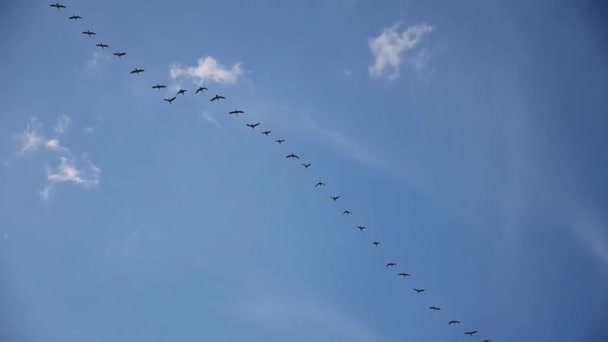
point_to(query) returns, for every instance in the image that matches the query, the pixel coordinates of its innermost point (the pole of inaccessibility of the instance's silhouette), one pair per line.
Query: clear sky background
(469, 138)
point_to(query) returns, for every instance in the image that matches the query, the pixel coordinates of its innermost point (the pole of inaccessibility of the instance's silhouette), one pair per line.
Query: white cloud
(390, 46)
(89, 129)
(46, 192)
(207, 70)
(53, 144)
(97, 58)
(31, 138)
(207, 117)
(63, 122)
(80, 172)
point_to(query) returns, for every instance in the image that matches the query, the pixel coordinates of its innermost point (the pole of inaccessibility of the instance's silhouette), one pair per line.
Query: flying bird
(74, 17)
(280, 141)
(217, 98)
(375, 243)
(361, 228)
(418, 290)
(453, 322)
(89, 33)
(391, 264)
(346, 212)
(306, 165)
(137, 71)
(266, 132)
(335, 198)
(119, 54)
(292, 156)
(58, 6)
(236, 112)
(102, 45)
(404, 274)
(159, 86)
(471, 333)
(319, 184)
(487, 340)
(200, 89)
(182, 91)
(171, 99)
(253, 125)
(434, 308)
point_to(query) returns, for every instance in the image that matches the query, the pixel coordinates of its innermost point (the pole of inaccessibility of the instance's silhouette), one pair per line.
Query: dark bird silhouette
(200, 89)
(306, 165)
(253, 125)
(335, 198)
(403, 274)
(181, 91)
(319, 184)
(453, 322)
(75, 17)
(471, 333)
(119, 54)
(159, 86)
(58, 6)
(346, 212)
(137, 71)
(236, 112)
(391, 264)
(217, 98)
(280, 141)
(361, 228)
(292, 156)
(89, 33)
(418, 290)
(102, 45)
(487, 340)
(434, 308)
(266, 133)
(375, 243)
(171, 99)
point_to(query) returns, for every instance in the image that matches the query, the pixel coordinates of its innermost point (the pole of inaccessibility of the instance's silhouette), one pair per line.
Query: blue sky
(468, 137)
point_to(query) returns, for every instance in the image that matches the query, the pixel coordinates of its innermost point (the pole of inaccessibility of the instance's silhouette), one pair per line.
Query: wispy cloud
(96, 60)
(207, 117)
(31, 139)
(78, 171)
(208, 69)
(63, 122)
(391, 45)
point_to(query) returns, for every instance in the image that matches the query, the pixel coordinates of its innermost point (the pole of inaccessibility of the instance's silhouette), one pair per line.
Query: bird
(74, 17)
(487, 340)
(418, 290)
(434, 308)
(181, 91)
(89, 33)
(320, 183)
(159, 86)
(58, 6)
(217, 98)
(403, 274)
(346, 212)
(361, 228)
(375, 243)
(292, 156)
(391, 264)
(471, 333)
(200, 89)
(280, 141)
(171, 99)
(453, 322)
(306, 165)
(266, 132)
(137, 71)
(335, 198)
(237, 112)
(253, 125)
(102, 45)
(119, 54)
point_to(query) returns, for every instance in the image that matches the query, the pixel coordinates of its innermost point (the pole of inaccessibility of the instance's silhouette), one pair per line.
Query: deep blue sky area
(468, 137)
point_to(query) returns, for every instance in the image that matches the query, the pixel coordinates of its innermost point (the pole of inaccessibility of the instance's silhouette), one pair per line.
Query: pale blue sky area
(468, 137)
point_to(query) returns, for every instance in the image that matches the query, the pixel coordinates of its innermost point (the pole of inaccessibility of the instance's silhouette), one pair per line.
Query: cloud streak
(208, 69)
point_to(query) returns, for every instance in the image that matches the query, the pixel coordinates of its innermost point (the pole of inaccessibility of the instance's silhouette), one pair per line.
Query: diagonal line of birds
(320, 184)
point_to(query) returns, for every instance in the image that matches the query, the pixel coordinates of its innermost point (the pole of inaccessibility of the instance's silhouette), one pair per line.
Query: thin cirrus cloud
(70, 169)
(208, 69)
(390, 47)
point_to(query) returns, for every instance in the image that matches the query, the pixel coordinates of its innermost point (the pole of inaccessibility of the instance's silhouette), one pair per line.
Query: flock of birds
(236, 112)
